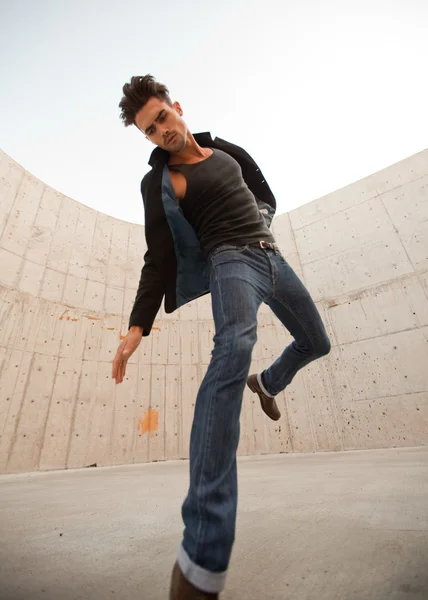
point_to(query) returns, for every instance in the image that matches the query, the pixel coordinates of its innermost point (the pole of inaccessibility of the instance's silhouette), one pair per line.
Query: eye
(162, 118)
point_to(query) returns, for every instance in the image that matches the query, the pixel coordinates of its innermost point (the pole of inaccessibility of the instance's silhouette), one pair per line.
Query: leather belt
(265, 246)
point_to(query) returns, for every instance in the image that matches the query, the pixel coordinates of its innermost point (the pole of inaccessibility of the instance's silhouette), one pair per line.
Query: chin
(178, 145)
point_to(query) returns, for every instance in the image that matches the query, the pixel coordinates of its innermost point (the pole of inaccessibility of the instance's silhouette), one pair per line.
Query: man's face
(162, 124)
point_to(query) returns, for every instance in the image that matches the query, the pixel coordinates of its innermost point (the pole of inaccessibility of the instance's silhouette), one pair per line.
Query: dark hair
(137, 93)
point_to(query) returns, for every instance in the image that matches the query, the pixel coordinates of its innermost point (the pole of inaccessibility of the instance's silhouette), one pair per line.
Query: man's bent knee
(322, 347)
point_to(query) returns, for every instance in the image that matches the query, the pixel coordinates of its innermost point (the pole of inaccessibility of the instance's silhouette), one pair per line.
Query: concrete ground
(344, 526)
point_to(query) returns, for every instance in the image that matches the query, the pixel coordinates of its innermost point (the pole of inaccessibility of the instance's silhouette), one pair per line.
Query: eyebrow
(156, 120)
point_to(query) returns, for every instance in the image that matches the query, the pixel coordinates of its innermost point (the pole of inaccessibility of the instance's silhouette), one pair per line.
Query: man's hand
(126, 347)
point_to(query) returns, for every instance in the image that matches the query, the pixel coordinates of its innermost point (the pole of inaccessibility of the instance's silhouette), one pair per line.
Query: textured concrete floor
(344, 526)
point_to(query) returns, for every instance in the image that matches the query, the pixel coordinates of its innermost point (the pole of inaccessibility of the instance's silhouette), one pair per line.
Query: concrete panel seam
(45, 266)
(43, 435)
(18, 187)
(342, 299)
(383, 335)
(350, 248)
(112, 423)
(335, 213)
(18, 417)
(424, 288)
(73, 415)
(63, 198)
(334, 407)
(378, 195)
(295, 245)
(375, 285)
(398, 235)
(93, 235)
(35, 218)
(310, 416)
(386, 398)
(402, 184)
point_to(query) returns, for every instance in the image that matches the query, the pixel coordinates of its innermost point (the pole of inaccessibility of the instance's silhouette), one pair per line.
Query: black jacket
(174, 265)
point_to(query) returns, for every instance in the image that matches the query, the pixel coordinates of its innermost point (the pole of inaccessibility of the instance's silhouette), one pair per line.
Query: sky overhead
(321, 94)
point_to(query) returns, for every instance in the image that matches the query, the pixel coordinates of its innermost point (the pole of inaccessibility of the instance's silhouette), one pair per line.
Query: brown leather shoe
(269, 405)
(181, 589)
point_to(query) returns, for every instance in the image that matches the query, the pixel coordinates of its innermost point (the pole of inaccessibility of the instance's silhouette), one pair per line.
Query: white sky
(321, 93)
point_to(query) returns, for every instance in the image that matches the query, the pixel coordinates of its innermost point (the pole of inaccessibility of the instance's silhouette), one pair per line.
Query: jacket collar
(161, 156)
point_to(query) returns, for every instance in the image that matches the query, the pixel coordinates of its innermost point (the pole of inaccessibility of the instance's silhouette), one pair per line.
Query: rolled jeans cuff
(206, 581)
(264, 390)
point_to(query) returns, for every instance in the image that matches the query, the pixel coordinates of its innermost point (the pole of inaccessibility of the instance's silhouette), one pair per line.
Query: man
(207, 216)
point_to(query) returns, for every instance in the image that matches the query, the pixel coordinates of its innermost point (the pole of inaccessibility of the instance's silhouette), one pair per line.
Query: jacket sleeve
(150, 289)
(149, 297)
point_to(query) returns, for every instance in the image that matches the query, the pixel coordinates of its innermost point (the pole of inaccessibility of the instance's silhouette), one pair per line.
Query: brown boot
(181, 589)
(269, 405)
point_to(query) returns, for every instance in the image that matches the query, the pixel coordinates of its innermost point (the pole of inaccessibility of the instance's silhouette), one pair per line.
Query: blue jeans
(241, 279)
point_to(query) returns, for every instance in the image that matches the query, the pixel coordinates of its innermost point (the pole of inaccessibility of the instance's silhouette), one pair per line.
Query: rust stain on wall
(149, 423)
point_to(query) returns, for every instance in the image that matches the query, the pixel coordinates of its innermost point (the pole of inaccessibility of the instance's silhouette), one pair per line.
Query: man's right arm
(146, 306)
(148, 299)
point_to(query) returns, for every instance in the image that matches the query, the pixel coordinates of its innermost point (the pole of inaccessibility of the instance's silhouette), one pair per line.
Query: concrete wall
(68, 278)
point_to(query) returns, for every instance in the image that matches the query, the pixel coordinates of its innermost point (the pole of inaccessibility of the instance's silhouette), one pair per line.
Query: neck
(190, 151)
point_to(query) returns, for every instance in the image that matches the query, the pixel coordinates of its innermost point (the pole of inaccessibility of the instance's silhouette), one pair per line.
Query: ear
(176, 106)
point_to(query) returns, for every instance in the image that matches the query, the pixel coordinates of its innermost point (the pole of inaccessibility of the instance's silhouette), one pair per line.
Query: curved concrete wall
(68, 278)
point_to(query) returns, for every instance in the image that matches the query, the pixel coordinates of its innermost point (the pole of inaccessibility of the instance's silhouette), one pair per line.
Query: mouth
(171, 139)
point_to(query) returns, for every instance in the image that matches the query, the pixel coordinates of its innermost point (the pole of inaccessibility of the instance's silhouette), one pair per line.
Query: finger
(117, 360)
(126, 353)
(115, 365)
(119, 371)
(122, 370)
(114, 368)
(116, 373)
